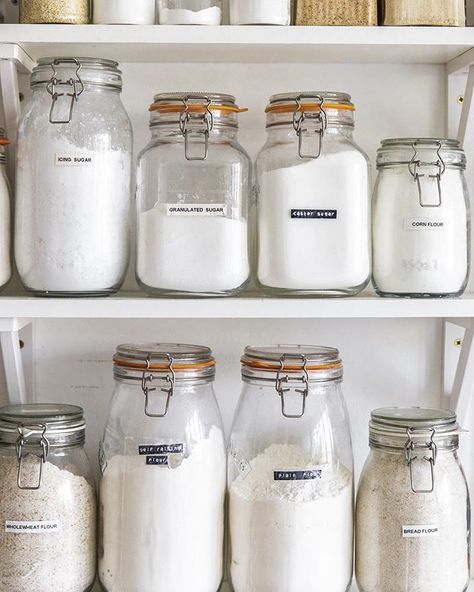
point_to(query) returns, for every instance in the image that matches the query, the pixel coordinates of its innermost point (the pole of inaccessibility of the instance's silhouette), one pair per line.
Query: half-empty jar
(313, 198)
(421, 219)
(5, 216)
(190, 12)
(73, 180)
(192, 198)
(290, 473)
(47, 500)
(163, 473)
(413, 511)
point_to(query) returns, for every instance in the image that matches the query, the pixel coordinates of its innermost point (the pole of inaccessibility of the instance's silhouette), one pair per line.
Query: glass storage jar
(290, 473)
(413, 510)
(341, 13)
(313, 198)
(124, 12)
(260, 12)
(73, 180)
(5, 217)
(448, 13)
(190, 12)
(421, 219)
(164, 473)
(47, 500)
(192, 198)
(69, 12)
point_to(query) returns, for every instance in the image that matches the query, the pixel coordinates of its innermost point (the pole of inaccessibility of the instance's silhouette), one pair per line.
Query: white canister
(124, 12)
(260, 12)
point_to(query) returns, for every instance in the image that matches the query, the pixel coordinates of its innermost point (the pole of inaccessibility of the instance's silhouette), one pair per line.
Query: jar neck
(172, 132)
(287, 133)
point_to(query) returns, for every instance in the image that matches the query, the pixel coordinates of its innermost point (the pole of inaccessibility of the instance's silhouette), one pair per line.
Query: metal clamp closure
(410, 448)
(24, 439)
(169, 379)
(75, 83)
(196, 124)
(425, 181)
(286, 379)
(318, 118)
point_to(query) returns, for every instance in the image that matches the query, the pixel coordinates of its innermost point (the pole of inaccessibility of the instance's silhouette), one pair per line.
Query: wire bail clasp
(425, 181)
(318, 117)
(282, 384)
(76, 84)
(410, 448)
(149, 378)
(204, 123)
(24, 439)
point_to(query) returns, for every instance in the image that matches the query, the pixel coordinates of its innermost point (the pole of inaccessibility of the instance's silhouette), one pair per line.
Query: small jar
(73, 180)
(290, 473)
(164, 473)
(124, 12)
(340, 13)
(68, 12)
(448, 13)
(47, 500)
(192, 198)
(413, 511)
(312, 242)
(190, 12)
(421, 219)
(260, 12)
(5, 217)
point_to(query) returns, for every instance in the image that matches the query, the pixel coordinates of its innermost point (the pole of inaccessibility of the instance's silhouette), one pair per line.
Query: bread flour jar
(313, 198)
(421, 219)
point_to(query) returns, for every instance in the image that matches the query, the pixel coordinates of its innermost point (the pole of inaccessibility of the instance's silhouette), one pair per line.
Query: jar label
(64, 159)
(304, 214)
(307, 475)
(208, 209)
(419, 531)
(31, 527)
(158, 461)
(418, 224)
(150, 449)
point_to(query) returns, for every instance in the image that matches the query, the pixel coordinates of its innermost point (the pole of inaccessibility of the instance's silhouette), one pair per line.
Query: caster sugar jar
(290, 473)
(313, 198)
(47, 500)
(163, 473)
(73, 180)
(421, 219)
(192, 198)
(413, 510)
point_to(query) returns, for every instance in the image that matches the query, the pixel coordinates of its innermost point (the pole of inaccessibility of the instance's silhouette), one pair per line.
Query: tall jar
(313, 199)
(73, 180)
(5, 217)
(413, 511)
(421, 219)
(124, 12)
(163, 464)
(68, 12)
(290, 473)
(190, 12)
(192, 198)
(341, 13)
(260, 12)
(47, 500)
(448, 13)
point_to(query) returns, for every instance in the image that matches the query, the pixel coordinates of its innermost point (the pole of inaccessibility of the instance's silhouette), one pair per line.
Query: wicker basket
(336, 12)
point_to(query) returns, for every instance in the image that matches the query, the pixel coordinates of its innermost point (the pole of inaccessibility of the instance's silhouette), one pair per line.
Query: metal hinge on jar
(196, 122)
(29, 436)
(317, 117)
(427, 183)
(76, 85)
(168, 379)
(283, 384)
(411, 446)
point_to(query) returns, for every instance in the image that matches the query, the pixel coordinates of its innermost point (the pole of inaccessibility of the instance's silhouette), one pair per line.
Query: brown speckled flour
(70, 12)
(336, 12)
(448, 13)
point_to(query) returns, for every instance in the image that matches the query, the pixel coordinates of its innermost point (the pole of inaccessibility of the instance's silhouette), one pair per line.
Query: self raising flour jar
(73, 180)
(421, 219)
(313, 198)
(5, 217)
(413, 511)
(290, 473)
(192, 198)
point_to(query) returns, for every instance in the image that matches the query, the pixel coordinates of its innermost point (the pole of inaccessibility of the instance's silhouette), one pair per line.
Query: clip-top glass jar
(47, 500)
(5, 217)
(421, 219)
(313, 198)
(290, 473)
(448, 13)
(190, 12)
(413, 511)
(69, 12)
(163, 463)
(192, 198)
(260, 12)
(73, 180)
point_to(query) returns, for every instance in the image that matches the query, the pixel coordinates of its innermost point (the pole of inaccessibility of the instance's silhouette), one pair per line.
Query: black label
(157, 461)
(314, 214)
(147, 449)
(297, 475)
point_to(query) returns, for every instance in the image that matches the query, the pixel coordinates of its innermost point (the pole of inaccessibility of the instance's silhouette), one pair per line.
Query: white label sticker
(418, 224)
(419, 531)
(31, 527)
(63, 159)
(196, 210)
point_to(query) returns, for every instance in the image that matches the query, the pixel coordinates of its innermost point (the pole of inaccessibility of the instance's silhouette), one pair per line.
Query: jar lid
(64, 70)
(425, 151)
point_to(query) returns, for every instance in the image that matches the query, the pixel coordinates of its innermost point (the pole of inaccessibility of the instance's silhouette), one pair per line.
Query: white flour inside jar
(183, 16)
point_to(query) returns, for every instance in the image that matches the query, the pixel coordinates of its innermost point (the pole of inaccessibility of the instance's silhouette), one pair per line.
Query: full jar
(73, 180)
(47, 500)
(124, 12)
(290, 473)
(313, 198)
(192, 198)
(421, 219)
(448, 13)
(5, 217)
(190, 12)
(69, 12)
(260, 12)
(163, 463)
(413, 511)
(341, 13)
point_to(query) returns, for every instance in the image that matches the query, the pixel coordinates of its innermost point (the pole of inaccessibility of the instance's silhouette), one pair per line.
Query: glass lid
(311, 358)
(416, 417)
(50, 413)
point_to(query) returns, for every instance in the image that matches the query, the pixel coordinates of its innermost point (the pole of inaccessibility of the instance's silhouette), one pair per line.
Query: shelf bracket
(13, 362)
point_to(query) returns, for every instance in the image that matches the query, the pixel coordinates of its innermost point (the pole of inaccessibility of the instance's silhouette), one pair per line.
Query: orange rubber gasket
(290, 368)
(4, 142)
(174, 108)
(139, 365)
(292, 108)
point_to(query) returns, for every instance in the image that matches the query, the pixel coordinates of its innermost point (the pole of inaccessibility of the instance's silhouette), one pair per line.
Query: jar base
(162, 293)
(61, 294)
(326, 293)
(420, 295)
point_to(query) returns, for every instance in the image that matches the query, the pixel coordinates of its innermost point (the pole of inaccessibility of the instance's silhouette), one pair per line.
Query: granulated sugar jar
(192, 198)
(73, 180)
(313, 198)
(47, 500)
(5, 217)
(190, 12)
(421, 219)
(413, 511)
(290, 473)
(163, 463)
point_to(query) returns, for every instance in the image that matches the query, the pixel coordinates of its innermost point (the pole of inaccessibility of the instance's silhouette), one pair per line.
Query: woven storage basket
(448, 13)
(336, 12)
